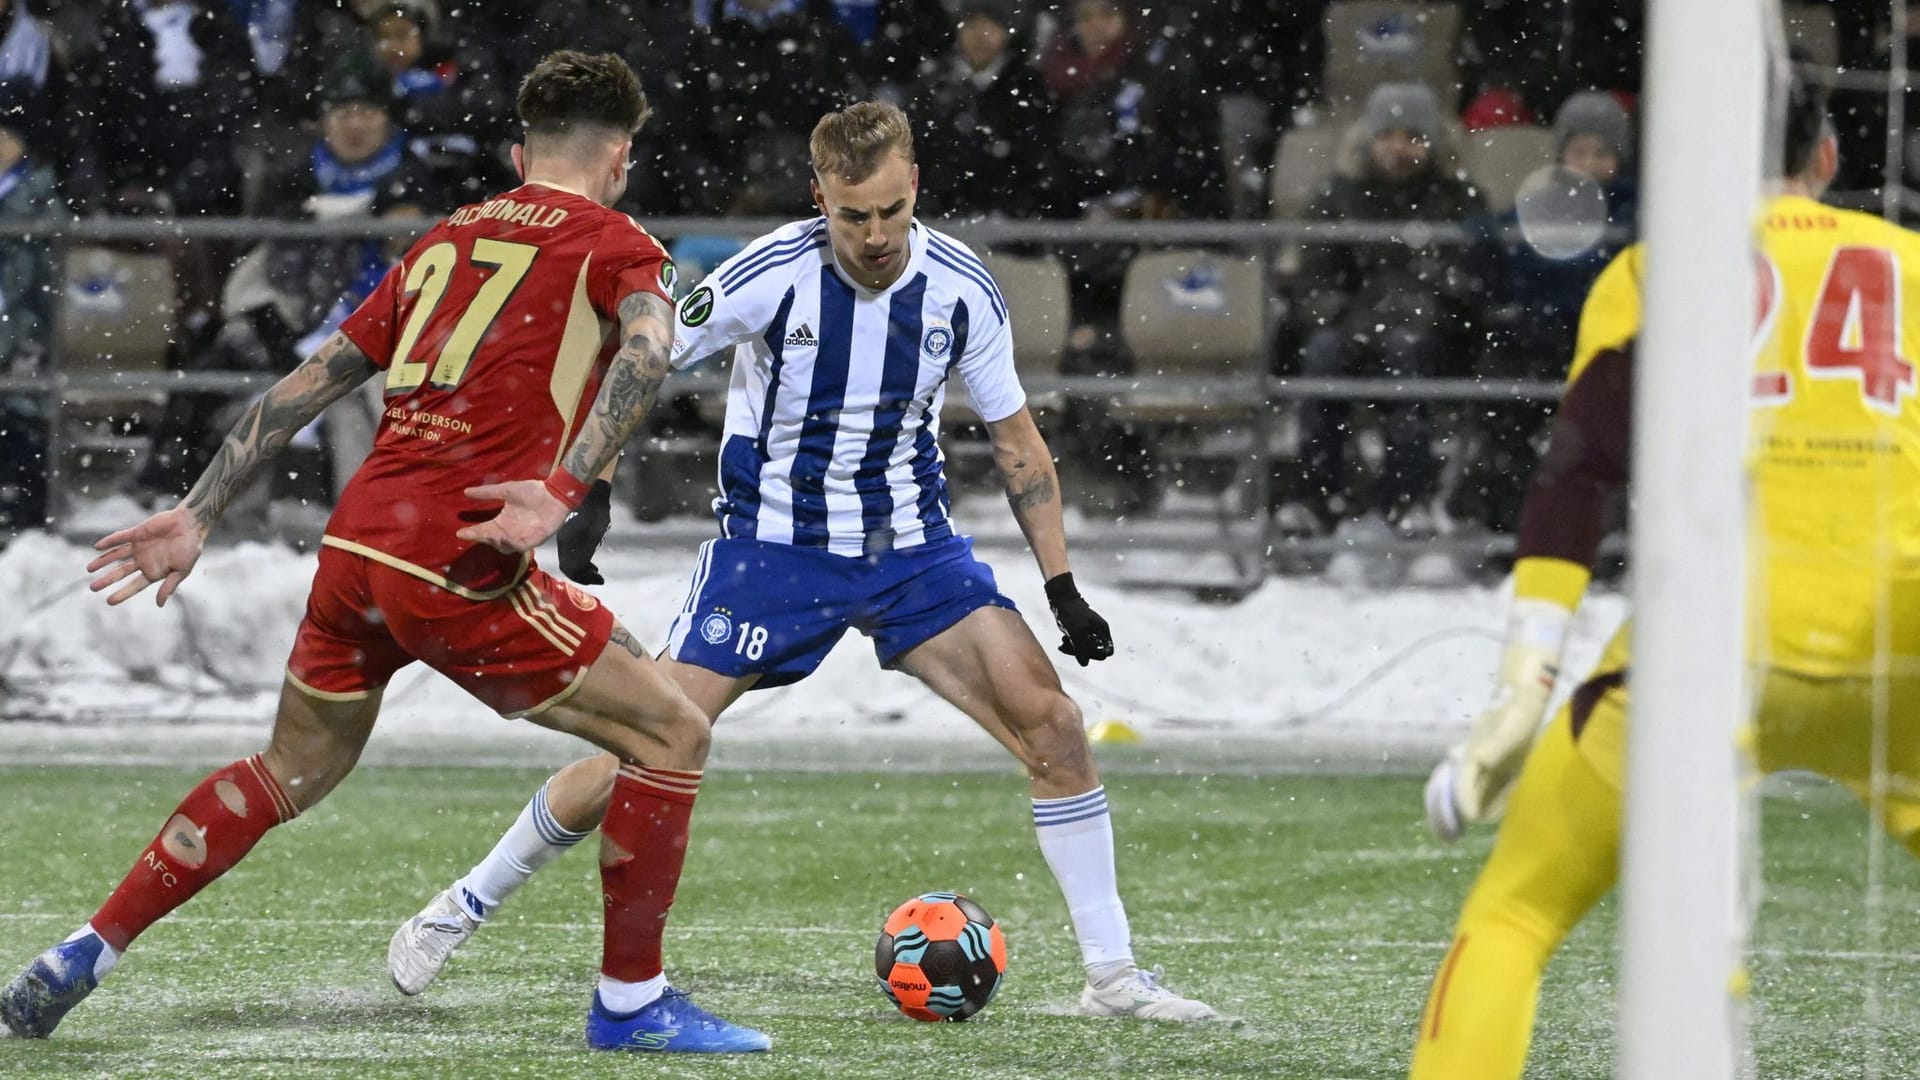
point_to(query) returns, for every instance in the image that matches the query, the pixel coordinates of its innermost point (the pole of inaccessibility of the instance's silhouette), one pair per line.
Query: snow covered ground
(1302, 674)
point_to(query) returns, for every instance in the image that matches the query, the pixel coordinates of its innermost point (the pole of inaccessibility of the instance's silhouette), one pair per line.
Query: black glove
(581, 533)
(1083, 633)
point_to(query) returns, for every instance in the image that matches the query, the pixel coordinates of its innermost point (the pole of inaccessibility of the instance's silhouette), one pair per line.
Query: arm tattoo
(1028, 485)
(291, 404)
(626, 641)
(1033, 488)
(1037, 491)
(632, 384)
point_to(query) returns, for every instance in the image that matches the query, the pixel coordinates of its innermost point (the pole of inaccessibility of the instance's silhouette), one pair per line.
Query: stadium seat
(1195, 312)
(1199, 319)
(117, 311)
(1811, 27)
(1498, 159)
(1036, 292)
(1370, 42)
(117, 314)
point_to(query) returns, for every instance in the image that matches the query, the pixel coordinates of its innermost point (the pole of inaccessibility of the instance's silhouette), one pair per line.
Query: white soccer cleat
(422, 944)
(1139, 995)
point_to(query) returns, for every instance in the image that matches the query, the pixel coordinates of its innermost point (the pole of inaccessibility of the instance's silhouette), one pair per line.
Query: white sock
(535, 840)
(109, 956)
(625, 998)
(1076, 836)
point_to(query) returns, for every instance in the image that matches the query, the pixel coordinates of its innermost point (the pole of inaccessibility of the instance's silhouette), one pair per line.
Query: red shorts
(521, 652)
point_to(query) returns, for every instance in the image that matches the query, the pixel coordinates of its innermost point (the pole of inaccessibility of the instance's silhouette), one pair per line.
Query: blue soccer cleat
(672, 1024)
(33, 1004)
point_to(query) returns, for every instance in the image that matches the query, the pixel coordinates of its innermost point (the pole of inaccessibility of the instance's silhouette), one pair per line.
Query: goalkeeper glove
(1470, 785)
(581, 533)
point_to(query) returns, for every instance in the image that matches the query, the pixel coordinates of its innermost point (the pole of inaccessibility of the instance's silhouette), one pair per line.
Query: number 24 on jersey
(1854, 331)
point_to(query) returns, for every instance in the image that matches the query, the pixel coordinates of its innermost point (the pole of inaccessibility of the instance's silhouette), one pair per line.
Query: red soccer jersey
(494, 331)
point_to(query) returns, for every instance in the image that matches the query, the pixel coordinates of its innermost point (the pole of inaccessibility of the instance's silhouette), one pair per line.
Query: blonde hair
(849, 145)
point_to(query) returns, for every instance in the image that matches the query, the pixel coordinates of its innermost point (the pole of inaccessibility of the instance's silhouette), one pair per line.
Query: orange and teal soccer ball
(940, 957)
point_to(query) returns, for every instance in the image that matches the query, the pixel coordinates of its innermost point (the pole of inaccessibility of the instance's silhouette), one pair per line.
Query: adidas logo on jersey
(803, 337)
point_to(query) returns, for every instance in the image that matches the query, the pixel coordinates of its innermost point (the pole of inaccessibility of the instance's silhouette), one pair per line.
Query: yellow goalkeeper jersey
(1836, 434)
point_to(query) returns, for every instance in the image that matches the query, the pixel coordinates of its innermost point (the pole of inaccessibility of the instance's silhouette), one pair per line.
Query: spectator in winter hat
(1400, 310)
(1531, 307)
(359, 145)
(1592, 134)
(1402, 124)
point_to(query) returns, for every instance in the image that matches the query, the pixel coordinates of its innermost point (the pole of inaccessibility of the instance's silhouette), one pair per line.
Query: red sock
(212, 828)
(643, 843)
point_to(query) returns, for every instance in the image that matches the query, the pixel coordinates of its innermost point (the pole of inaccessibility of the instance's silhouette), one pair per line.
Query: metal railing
(1247, 538)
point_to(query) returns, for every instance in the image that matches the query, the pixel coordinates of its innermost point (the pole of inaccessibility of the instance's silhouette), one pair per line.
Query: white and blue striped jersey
(833, 413)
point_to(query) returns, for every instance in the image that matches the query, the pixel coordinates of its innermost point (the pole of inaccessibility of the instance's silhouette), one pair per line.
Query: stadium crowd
(1075, 109)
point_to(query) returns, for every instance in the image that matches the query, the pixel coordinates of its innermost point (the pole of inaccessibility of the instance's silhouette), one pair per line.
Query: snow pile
(1300, 663)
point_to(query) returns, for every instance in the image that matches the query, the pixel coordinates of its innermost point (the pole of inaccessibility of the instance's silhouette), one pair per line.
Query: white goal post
(1683, 925)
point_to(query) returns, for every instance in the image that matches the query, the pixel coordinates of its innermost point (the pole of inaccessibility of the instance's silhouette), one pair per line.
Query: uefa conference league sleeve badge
(698, 307)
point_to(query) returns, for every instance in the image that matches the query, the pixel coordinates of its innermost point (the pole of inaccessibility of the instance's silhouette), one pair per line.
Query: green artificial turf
(1313, 907)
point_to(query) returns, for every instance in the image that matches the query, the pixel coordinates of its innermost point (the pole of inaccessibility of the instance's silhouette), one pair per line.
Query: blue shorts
(775, 610)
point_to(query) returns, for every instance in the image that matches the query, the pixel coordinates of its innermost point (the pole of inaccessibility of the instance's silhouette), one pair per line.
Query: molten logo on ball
(940, 957)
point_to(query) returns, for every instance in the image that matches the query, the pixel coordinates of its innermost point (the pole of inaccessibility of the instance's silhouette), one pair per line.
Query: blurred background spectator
(1137, 140)
(1137, 134)
(166, 96)
(653, 37)
(1532, 302)
(35, 83)
(162, 102)
(1097, 110)
(26, 279)
(287, 295)
(757, 78)
(985, 124)
(898, 39)
(449, 100)
(26, 194)
(359, 167)
(1399, 310)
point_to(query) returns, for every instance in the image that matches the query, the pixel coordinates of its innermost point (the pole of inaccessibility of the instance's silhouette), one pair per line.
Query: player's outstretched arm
(535, 509)
(1033, 491)
(164, 547)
